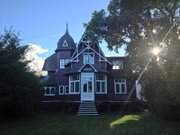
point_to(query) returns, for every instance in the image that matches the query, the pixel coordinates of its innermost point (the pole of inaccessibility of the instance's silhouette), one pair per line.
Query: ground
(70, 124)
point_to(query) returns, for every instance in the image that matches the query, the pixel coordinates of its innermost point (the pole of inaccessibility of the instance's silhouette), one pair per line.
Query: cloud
(32, 54)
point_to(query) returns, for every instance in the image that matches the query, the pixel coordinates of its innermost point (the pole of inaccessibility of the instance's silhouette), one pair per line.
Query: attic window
(88, 58)
(117, 65)
(65, 44)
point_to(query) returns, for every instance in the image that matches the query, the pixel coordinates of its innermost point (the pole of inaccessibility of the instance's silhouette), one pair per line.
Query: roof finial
(66, 27)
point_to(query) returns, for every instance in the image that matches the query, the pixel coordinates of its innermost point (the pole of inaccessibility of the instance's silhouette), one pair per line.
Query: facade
(81, 72)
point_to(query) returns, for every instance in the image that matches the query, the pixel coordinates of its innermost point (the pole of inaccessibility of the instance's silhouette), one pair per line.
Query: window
(74, 84)
(65, 44)
(88, 58)
(63, 62)
(49, 91)
(66, 90)
(101, 84)
(118, 64)
(120, 86)
(61, 90)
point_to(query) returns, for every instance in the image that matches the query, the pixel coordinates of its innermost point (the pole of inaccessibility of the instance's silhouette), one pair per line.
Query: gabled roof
(90, 48)
(84, 40)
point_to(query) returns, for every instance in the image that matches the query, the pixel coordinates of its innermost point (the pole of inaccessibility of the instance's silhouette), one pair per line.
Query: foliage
(142, 25)
(18, 87)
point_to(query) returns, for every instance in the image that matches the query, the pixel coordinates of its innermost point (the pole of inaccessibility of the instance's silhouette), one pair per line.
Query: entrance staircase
(87, 108)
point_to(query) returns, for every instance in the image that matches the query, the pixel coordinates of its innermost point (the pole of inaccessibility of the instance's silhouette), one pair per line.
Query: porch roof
(80, 69)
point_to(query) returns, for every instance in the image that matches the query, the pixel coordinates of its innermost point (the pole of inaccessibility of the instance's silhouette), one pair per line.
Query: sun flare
(156, 51)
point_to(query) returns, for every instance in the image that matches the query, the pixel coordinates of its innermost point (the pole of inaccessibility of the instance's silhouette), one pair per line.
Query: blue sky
(43, 22)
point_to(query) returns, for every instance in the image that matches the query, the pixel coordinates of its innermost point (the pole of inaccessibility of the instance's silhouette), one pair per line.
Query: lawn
(69, 124)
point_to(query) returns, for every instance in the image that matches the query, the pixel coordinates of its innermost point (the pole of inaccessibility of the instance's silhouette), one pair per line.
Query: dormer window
(88, 58)
(65, 44)
(118, 64)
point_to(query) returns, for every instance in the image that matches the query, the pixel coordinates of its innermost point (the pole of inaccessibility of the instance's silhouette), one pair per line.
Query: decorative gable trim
(89, 48)
(88, 65)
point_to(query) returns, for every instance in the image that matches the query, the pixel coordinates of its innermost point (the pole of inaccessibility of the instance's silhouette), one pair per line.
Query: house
(82, 74)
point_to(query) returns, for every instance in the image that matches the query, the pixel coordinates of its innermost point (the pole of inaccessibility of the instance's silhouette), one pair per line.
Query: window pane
(72, 87)
(76, 86)
(62, 63)
(102, 86)
(52, 90)
(85, 87)
(47, 91)
(75, 77)
(86, 59)
(67, 90)
(91, 59)
(89, 86)
(61, 90)
(123, 90)
(117, 88)
(97, 86)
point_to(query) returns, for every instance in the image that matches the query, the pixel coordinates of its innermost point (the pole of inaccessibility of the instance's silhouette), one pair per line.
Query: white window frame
(50, 89)
(120, 82)
(74, 83)
(105, 82)
(89, 60)
(61, 86)
(65, 87)
(63, 62)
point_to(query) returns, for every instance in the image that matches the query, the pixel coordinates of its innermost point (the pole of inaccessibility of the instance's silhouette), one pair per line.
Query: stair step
(87, 108)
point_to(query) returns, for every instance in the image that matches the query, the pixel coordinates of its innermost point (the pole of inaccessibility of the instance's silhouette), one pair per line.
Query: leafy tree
(142, 25)
(19, 88)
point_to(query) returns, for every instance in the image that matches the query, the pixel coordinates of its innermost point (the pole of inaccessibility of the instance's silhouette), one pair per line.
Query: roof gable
(87, 68)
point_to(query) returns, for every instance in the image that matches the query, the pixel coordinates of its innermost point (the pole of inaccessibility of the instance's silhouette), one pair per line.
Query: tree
(19, 88)
(142, 25)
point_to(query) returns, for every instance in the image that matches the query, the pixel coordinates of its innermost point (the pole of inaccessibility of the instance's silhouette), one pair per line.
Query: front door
(87, 86)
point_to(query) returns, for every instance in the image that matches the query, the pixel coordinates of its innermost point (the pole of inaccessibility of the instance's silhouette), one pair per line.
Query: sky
(43, 22)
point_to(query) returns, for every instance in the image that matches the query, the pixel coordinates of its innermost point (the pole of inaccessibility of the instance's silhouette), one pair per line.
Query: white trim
(65, 87)
(80, 53)
(65, 44)
(120, 82)
(74, 87)
(89, 48)
(88, 95)
(50, 91)
(61, 86)
(89, 65)
(105, 82)
(78, 45)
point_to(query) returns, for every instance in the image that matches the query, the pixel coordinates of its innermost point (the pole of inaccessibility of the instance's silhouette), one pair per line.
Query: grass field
(69, 124)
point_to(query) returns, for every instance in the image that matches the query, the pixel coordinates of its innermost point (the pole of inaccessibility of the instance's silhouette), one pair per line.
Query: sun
(156, 51)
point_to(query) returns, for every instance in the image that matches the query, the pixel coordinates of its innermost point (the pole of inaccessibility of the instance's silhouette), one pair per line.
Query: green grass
(70, 124)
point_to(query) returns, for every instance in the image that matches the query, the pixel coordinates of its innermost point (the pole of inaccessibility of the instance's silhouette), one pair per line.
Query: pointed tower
(66, 42)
